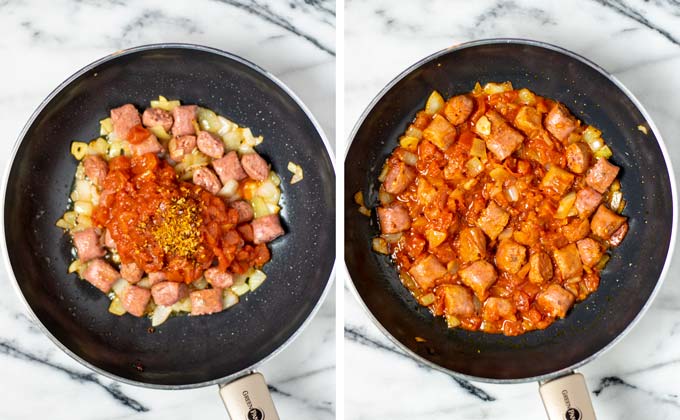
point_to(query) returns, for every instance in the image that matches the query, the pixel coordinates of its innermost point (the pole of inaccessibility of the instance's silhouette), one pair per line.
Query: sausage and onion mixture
(498, 208)
(171, 211)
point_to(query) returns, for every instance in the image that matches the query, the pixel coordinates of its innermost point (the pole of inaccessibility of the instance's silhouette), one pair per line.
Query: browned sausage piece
(587, 201)
(135, 299)
(555, 301)
(393, 219)
(529, 120)
(180, 146)
(568, 261)
(217, 278)
(458, 109)
(246, 230)
(184, 117)
(131, 272)
(255, 166)
(244, 209)
(157, 277)
(503, 139)
(150, 145)
(108, 239)
(471, 244)
(540, 268)
(101, 275)
(440, 132)
(207, 179)
(605, 222)
(458, 300)
(205, 302)
(576, 230)
(398, 178)
(496, 308)
(478, 276)
(167, 293)
(210, 144)
(601, 175)
(559, 122)
(95, 169)
(510, 256)
(493, 219)
(266, 229)
(123, 119)
(590, 251)
(426, 271)
(617, 237)
(229, 168)
(87, 244)
(578, 157)
(156, 117)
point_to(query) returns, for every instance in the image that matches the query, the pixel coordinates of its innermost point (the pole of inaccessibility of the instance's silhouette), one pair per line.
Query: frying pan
(184, 352)
(630, 280)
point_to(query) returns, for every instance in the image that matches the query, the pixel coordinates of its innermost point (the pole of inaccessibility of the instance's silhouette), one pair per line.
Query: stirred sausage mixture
(498, 207)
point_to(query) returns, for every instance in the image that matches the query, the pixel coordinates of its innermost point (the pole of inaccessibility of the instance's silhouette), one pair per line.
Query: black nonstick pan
(184, 352)
(630, 280)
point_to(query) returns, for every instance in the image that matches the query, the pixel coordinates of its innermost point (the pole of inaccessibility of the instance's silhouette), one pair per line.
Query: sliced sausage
(578, 157)
(150, 145)
(87, 244)
(493, 220)
(398, 178)
(255, 166)
(217, 278)
(554, 301)
(605, 222)
(157, 277)
(205, 302)
(529, 120)
(587, 200)
(618, 235)
(496, 309)
(458, 300)
(601, 175)
(576, 230)
(426, 271)
(590, 251)
(229, 168)
(266, 229)
(95, 169)
(184, 117)
(210, 144)
(540, 268)
(131, 272)
(156, 117)
(471, 244)
(478, 276)
(135, 299)
(180, 146)
(244, 209)
(458, 109)
(393, 219)
(207, 179)
(167, 293)
(124, 118)
(101, 275)
(440, 132)
(246, 231)
(510, 256)
(568, 261)
(559, 122)
(503, 139)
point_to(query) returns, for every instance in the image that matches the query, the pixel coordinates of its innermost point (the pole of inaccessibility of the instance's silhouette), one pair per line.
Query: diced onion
(183, 305)
(226, 126)
(240, 289)
(427, 300)
(119, 287)
(478, 149)
(453, 267)
(83, 207)
(512, 193)
(78, 149)
(105, 126)
(144, 283)
(491, 88)
(249, 139)
(269, 192)
(274, 178)
(229, 298)
(499, 174)
(392, 238)
(365, 211)
(208, 120)
(603, 262)
(297, 172)
(74, 266)
(593, 137)
(232, 140)
(409, 143)
(413, 131)
(380, 245)
(385, 197)
(116, 307)
(483, 126)
(98, 147)
(615, 202)
(256, 279)
(452, 321)
(160, 315)
(84, 222)
(359, 198)
(200, 283)
(434, 103)
(160, 132)
(410, 159)
(474, 167)
(260, 208)
(604, 152)
(164, 104)
(505, 234)
(526, 97)
(565, 206)
(434, 237)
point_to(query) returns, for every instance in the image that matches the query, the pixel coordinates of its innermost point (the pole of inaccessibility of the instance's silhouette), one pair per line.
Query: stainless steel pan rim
(671, 175)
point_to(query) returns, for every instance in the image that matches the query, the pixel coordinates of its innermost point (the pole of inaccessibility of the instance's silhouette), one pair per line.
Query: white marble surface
(639, 42)
(45, 42)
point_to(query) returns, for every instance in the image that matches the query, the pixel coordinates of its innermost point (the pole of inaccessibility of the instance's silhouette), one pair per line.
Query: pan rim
(45, 102)
(671, 174)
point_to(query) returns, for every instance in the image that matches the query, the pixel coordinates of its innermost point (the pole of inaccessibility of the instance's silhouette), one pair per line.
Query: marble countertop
(45, 42)
(637, 41)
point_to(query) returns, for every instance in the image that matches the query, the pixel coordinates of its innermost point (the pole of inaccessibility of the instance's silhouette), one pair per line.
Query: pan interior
(184, 351)
(632, 273)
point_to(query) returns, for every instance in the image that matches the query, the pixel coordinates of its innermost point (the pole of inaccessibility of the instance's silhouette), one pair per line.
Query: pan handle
(567, 398)
(248, 398)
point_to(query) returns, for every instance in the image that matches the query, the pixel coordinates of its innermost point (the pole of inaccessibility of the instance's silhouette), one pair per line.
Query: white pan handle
(248, 398)
(567, 398)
